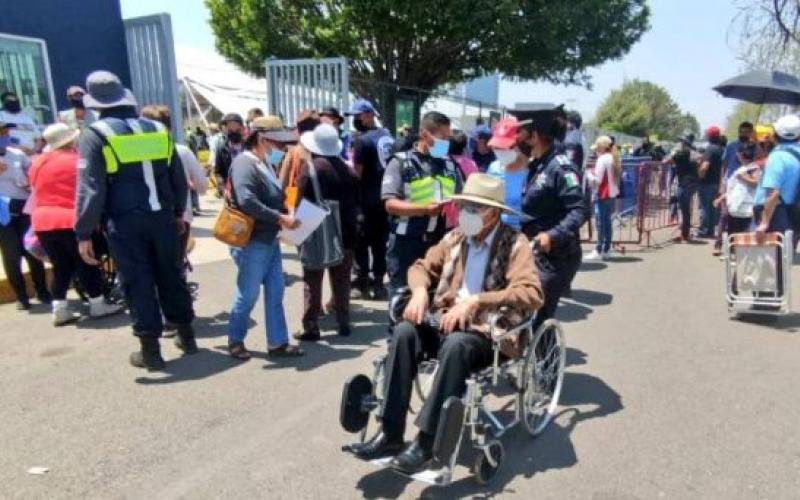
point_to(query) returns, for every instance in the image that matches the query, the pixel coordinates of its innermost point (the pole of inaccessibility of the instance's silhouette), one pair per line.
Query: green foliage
(643, 108)
(428, 43)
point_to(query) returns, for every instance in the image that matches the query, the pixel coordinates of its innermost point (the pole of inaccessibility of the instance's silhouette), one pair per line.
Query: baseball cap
(361, 106)
(75, 89)
(505, 134)
(712, 132)
(481, 132)
(332, 112)
(233, 117)
(788, 127)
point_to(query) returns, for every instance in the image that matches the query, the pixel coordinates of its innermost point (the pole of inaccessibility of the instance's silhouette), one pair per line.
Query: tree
(642, 108)
(424, 44)
(776, 24)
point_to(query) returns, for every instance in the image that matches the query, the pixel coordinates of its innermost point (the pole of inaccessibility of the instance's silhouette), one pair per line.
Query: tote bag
(323, 249)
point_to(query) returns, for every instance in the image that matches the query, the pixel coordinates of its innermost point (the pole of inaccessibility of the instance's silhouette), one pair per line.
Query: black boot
(382, 445)
(416, 457)
(185, 340)
(149, 356)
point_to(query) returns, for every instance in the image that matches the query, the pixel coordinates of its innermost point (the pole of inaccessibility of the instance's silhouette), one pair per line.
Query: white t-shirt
(195, 176)
(26, 131)
(14, 181)
(603, 166)
(740, 196)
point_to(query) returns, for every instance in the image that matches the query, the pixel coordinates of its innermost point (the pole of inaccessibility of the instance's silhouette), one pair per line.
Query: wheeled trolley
(758, 276)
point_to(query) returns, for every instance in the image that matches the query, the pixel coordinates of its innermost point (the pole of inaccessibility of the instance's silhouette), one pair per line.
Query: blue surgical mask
(275, 157)
(440, 148)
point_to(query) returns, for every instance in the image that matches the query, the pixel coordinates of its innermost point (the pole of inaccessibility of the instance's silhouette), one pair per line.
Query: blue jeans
(708, 214)
(259, 265)
(605, 231)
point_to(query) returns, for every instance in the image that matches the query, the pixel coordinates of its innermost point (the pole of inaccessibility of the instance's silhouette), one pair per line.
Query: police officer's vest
(137, 154)
(423, 188)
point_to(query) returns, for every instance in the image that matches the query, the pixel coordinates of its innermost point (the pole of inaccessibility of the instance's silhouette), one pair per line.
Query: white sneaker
(62, 314)
(595, 255)
(99, 308)
(605, 255)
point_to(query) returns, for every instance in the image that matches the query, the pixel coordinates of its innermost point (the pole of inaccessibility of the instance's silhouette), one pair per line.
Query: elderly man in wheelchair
(470, 304)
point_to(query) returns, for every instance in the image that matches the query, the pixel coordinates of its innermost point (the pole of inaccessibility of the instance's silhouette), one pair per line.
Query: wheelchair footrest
(448, 433)
(352, 414)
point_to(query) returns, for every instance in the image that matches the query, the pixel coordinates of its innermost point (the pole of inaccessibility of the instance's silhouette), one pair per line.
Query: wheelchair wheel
(486, 470)
(543, 377)
(378, 379)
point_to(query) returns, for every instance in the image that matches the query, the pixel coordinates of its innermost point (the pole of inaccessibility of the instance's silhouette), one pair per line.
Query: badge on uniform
(571, 179)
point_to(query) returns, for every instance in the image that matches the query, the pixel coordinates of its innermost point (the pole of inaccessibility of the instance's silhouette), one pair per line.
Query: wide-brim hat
(105, 90)
(271, 127)
(59, 134)
(323, 140)
(484, 189)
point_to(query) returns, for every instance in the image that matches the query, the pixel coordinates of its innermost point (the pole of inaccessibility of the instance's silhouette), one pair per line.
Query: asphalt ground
(664, 397)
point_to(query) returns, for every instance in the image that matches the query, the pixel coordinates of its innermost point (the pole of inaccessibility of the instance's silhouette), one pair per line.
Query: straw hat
(59, 135)
(271, 127)
(483, 189)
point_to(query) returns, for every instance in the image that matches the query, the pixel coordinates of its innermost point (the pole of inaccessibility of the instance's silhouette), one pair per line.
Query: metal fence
(151, 56)
(294, 85)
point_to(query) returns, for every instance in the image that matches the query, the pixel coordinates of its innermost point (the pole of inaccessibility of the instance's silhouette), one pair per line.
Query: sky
(686, 51)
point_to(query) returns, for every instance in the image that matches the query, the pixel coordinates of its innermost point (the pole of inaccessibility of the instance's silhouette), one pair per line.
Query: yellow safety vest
(137, 147)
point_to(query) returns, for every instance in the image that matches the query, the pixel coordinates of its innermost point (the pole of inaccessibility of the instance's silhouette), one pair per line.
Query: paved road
(664, 397)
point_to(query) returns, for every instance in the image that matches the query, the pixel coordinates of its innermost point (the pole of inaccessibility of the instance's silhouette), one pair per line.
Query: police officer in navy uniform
(552, 201)
(415, 185)
(131, 181)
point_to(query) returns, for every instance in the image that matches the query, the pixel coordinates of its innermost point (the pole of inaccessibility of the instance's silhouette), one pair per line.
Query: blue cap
(481, 132)
(361, 106)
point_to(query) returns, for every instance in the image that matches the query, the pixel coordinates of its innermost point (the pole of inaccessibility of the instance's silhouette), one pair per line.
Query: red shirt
(53, 177)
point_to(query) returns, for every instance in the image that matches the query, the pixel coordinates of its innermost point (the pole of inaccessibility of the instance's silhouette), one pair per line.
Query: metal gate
(151, 56)
(297, 84)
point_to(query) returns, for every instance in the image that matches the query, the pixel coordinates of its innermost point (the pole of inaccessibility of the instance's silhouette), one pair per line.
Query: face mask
(505, 156)
(275, 157)
(359, 125)
(440, 148)
(469, 222)
(744, 138)
(525, 148)
(77, 103)
(235, 137)
(12, 106)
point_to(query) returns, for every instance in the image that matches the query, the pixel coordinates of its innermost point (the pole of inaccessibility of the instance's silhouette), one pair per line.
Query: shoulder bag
(232, 227)
(323, 248)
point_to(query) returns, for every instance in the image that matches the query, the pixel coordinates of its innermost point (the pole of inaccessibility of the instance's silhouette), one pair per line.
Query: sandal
(239, 351)
(286, 351)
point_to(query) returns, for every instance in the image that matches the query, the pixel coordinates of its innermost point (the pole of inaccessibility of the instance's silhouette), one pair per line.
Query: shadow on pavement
(195, 367)
(525, 457)
(592, 266)
(591, 297)
(570, 312)
(620, 259)
(789, 323)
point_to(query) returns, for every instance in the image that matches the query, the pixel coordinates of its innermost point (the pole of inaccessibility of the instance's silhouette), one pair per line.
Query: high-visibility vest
(421, 189)
(137, 147)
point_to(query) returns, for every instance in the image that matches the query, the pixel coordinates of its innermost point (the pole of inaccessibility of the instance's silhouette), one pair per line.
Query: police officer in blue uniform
(552, 201)
(131, 181)
(415, 185)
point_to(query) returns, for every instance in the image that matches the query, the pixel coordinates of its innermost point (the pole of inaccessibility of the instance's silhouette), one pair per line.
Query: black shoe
(170, 330)
(44, 297)
(379, 292)
(149, 356)
(23, 305)
(378, 447)
(415, 458)
(185, 340)
(344, 331)
(312, 336)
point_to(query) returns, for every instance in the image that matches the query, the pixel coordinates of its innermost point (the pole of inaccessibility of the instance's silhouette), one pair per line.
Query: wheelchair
(535, 380)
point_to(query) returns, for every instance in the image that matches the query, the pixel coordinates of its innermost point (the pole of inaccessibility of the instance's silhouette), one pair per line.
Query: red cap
(504, 135)
(712, 132)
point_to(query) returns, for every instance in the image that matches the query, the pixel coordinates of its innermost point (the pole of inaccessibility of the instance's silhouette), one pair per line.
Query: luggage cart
(758, 277)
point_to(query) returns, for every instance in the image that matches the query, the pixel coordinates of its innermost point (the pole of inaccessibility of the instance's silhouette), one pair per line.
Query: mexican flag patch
(571, 180)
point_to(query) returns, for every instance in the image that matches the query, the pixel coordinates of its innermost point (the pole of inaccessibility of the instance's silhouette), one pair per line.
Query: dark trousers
(402, 252)
(556, 274)
(62, 249)
(144, 247)
(372, 243)
(737, 224)
(685, 197)
(339, 277)
(13, 251)
(460, 354)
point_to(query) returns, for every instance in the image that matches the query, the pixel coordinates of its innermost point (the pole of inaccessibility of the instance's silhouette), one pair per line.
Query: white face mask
(505, 156)
(470, 223)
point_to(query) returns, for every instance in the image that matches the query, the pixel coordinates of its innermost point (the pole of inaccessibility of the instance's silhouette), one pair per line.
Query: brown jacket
(511, 281)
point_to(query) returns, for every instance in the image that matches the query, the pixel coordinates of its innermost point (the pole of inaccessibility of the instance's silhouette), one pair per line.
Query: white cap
(788, 127)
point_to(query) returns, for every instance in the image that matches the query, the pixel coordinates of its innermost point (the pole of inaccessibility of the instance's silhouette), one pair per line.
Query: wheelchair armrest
(499, 335)
(399, 299)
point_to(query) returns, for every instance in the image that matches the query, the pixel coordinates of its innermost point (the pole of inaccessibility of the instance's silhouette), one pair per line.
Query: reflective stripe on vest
(448, 186)
(147, 165)
(133, 148)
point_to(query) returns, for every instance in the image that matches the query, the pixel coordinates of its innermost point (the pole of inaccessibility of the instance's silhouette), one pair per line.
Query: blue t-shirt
(372, 150)
(515, 184)
(782, 172)
(730, 160)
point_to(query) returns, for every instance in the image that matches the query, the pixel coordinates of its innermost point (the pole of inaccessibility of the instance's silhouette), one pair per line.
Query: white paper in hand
(310, 217)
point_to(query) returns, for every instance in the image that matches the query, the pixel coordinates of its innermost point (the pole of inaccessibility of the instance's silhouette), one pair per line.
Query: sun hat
(361, 106)
(505, 134)
(106, 91)
(59, 134)
(788, 127)
(604, 141)
(323, 140)
(484, 189)
(271, 127)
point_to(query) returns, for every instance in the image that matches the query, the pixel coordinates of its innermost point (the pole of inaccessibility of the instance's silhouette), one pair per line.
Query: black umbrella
(762, 87)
